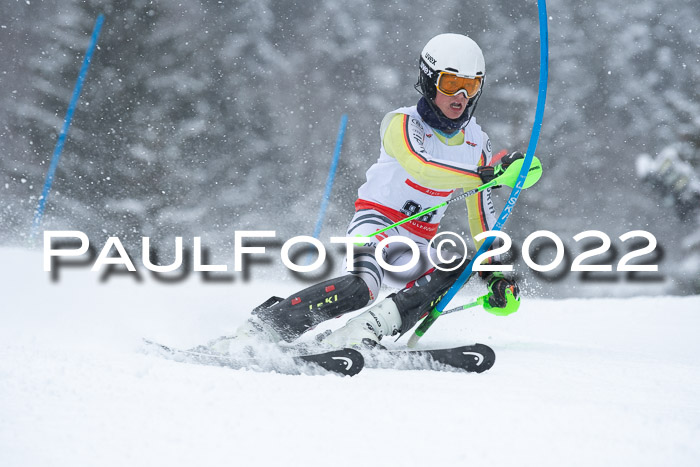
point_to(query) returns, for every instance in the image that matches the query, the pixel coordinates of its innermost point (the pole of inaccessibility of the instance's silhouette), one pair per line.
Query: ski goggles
(451, 84)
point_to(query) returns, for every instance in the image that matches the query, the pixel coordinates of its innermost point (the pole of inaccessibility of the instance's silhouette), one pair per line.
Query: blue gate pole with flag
(39, 213)
(512, 199)
(331, 175)
(329, 181)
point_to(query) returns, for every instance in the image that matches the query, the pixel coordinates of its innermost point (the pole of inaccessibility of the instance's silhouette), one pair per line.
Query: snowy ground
(576, 382)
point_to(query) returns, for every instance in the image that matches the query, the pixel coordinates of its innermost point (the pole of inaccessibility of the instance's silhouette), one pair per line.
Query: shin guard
(302, 311)
(421, 296)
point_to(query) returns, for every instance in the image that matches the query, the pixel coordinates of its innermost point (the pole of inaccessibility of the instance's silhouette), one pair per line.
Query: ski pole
(508, 178)
(477, 302)
(512, 305)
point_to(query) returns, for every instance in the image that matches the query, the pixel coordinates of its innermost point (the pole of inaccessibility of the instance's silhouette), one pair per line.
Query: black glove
(486, 173)
(510, 158)
(507, 160)
(498, 284)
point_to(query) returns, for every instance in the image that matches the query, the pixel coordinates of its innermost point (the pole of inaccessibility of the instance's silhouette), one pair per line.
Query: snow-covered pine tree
(157, 128)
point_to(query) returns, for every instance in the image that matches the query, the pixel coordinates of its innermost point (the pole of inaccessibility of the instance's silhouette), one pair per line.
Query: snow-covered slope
(576, 382)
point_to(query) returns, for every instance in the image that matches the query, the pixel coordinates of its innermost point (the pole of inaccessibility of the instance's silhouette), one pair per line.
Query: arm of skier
(403, 139)
(481, 214)
(480, 210)
(482, 217)
(504, 293)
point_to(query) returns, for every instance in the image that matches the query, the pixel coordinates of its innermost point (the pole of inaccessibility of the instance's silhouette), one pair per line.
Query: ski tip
(484, 356)
(358, 359)
(346, 362)
(475, 358)
(147, 343)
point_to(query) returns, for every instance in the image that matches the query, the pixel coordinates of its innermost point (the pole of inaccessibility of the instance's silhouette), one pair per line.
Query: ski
(475, 358)
(346, 362)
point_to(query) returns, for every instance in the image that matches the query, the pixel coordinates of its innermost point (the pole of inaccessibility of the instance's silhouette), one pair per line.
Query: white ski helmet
(455, 53)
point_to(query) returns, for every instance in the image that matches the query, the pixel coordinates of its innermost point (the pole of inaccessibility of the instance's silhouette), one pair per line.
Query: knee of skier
(303, 310)
(447, 260)
(366, 269)
(364, 281)
(422, 295)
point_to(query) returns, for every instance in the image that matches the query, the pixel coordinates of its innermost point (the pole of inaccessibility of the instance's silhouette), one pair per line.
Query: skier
(426, 152)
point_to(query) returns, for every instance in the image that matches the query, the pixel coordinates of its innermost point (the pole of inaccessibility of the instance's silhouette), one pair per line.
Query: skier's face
(452, 106)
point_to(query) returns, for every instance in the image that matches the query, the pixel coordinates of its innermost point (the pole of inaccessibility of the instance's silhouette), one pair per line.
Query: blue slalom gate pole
(329, 181)
(513, 198)
(331, 176)
(39, 213)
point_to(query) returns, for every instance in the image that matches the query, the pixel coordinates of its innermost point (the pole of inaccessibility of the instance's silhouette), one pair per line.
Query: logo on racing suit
(411, 208)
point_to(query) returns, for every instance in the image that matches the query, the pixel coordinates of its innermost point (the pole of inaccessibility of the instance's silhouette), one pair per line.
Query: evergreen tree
(204, 117)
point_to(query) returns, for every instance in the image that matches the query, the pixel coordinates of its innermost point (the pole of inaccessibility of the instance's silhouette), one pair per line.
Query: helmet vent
(452, 69)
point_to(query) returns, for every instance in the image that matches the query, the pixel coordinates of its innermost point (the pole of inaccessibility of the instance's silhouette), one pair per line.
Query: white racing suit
(418, 168)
